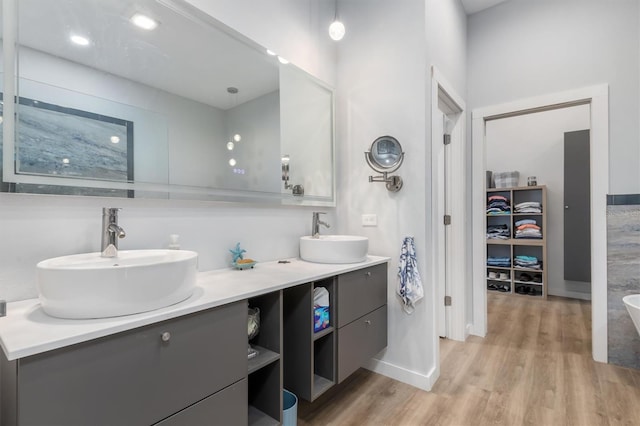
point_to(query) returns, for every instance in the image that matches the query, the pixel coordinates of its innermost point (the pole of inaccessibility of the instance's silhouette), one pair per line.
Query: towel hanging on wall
(409, 283)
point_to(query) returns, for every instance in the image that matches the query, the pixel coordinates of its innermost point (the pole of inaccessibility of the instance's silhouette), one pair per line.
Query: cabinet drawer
(360, 292)
(135, 377)
(361, 340)
(227, 407)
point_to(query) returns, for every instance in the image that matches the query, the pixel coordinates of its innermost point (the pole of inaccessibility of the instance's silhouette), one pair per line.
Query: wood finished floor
(533, 368)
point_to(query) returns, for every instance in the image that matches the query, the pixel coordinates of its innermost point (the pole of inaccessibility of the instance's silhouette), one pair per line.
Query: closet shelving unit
(518, 280)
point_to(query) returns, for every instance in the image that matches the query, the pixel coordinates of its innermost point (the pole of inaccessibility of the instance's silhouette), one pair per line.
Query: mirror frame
(144, 190)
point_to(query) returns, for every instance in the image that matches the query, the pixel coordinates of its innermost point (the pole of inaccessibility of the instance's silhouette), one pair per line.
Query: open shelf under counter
(258, 418)
(264, 357)
(320, 334)
(321, 385)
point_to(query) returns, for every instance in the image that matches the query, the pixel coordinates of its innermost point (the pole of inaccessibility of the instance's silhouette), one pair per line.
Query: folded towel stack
(502, 262)
(527, 262)
(528, 207)
(528, 228)
(498, 232)
(498, 204)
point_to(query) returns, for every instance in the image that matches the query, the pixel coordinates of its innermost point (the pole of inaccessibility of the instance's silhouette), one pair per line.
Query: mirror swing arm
(386, 156)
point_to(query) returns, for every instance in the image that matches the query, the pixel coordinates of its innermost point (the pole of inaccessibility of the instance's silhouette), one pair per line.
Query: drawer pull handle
(368, 274)
(367, 322)
(166, 336)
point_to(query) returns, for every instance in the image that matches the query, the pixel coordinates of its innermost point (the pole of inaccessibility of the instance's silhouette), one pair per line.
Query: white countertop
(27, 330)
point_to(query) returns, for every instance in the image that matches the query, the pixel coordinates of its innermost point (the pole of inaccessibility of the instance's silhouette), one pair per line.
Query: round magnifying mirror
(385, 153)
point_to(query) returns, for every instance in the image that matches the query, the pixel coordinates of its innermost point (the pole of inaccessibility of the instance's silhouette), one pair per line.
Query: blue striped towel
(409, 284)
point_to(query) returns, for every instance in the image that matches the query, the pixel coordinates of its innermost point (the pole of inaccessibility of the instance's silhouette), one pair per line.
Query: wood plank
(534, 367)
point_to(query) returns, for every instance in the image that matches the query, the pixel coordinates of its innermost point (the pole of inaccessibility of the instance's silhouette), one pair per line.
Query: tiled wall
(623, 248)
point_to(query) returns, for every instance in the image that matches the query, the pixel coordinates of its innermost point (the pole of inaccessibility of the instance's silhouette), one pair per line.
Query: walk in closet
(516, 240)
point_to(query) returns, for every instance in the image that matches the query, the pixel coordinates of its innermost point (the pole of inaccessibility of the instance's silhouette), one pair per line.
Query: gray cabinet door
(361, 340)
(360, 292)
(227, 407)
(577, 207)
(135, 378)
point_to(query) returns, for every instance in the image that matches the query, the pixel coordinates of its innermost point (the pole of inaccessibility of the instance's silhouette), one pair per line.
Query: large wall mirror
(189, 109)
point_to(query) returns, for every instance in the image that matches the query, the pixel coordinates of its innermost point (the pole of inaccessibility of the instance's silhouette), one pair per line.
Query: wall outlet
(369, 220)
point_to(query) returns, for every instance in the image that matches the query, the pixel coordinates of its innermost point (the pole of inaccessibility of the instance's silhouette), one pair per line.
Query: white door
(441, 156)
(449, 270)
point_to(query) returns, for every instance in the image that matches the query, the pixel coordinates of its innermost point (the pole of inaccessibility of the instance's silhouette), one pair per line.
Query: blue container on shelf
(289, 408)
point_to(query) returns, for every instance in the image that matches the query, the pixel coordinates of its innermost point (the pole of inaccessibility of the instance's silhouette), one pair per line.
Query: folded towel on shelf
(527, 262)
(409, 283)
(497, 204)
(503, 262)
(528, 207)
(500, 232)
(526, 222)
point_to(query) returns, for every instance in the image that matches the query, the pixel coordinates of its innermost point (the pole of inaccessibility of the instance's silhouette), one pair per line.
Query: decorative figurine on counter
(238, 258)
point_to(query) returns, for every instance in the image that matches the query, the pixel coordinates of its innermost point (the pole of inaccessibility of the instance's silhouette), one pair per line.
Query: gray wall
(522, 49)
(623, 248)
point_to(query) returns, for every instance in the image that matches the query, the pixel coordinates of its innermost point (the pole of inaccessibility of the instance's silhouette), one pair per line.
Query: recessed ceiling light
(65, 161)
(79, 40)
(232, 162)
(237, 138)
(115, 139)
(144, 22)
(230, 146)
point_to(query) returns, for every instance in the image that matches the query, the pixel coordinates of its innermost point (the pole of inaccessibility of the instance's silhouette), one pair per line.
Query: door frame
(457, 328)
(598, 99)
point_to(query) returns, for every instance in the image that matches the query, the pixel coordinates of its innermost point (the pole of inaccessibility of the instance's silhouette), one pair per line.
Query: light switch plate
(369, 220)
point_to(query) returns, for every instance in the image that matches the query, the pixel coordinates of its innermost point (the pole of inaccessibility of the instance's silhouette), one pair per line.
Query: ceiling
(474, 6)
(184, 55)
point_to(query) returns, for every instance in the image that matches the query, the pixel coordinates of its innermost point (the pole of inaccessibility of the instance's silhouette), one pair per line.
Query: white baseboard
(474, 331)
(422, 381)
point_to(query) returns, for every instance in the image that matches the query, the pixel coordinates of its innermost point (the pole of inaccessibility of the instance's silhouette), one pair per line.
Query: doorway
(535, 145)
(598, 100)
(448, 196)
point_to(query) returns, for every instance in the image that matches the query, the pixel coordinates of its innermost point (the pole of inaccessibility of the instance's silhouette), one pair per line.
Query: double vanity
(186, 364)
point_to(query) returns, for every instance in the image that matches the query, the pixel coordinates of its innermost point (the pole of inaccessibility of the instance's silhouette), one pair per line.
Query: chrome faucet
(111, 231)
(315, 224)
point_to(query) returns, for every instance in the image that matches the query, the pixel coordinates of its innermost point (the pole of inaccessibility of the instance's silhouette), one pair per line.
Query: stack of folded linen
(526, 262)
(498, 232)
(528, 228)
(503, 262)
(497, 204)
(528, 207)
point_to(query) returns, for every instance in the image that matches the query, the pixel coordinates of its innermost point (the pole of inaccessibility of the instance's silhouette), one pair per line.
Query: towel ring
(386, 156)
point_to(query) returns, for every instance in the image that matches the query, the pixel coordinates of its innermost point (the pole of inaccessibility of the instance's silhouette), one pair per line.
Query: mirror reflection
(153, 98)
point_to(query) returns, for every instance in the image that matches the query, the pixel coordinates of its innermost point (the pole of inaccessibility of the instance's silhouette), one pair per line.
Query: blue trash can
(289, 408)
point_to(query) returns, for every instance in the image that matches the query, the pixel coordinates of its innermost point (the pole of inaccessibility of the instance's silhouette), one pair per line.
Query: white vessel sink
(334, 249)
(90, 286)
(632, 302)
